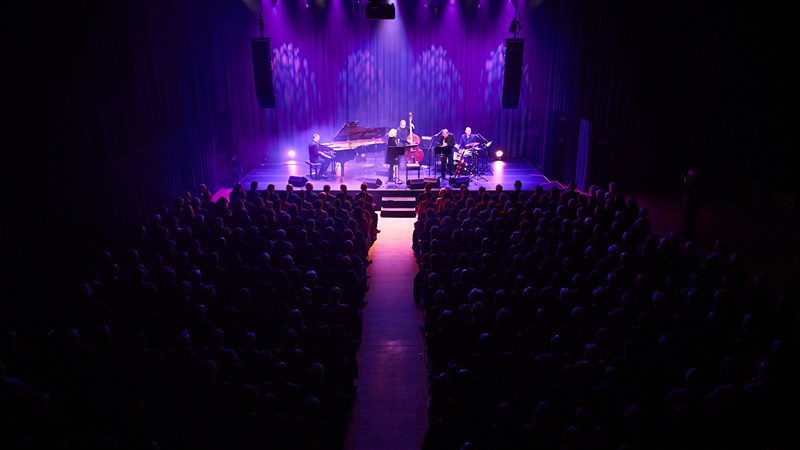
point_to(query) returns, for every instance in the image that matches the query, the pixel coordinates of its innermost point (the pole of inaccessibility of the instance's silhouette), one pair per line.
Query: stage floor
(504, 172)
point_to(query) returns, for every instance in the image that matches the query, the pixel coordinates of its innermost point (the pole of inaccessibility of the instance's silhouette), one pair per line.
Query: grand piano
(351, 140)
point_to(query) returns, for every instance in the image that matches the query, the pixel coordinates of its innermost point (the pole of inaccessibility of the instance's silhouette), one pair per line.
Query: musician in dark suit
(448, 141)
(315, 156)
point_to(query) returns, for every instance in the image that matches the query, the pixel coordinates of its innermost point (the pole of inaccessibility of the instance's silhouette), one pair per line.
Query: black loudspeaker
(298, 181)
(458, 181)
(416, 183)
(512, 73)
(373, 183)
(434, 181)
(262, 72)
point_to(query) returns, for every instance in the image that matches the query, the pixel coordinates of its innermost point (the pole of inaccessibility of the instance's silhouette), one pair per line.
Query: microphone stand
(483, 164)
(432, 154)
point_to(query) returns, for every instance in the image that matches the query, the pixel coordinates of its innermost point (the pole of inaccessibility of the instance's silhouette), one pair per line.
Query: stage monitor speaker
(512, 73)
(434, 181)
(373, 183)
(298, 181)
(262, 72)
(416, 183)
(458, 181)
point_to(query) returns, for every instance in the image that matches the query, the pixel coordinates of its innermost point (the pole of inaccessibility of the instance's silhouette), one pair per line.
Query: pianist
(315, 156)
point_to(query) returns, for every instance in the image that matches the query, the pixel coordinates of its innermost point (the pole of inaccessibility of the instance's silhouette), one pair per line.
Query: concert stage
(368, 169)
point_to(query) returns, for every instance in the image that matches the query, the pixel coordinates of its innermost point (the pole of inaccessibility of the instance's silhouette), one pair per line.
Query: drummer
(468, 140)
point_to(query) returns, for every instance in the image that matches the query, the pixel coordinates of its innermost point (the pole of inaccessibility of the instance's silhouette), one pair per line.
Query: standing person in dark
(393, 141)
(448, 141)
(691, 203)
(315, 156)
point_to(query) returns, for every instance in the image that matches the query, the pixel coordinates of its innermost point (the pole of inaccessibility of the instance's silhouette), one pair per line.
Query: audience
(556, 319)
(231, 324)
(553, 319)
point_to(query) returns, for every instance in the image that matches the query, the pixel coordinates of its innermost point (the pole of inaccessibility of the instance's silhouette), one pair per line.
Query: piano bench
(412, 167)
(313, 169)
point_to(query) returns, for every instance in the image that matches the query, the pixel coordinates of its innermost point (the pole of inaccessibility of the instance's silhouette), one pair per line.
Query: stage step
(398, 204)
(398, 212)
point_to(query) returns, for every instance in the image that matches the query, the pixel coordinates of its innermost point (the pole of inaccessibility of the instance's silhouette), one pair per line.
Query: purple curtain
(331, 65)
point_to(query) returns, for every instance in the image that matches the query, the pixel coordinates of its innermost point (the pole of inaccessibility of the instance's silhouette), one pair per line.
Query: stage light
(292, 154)
(498, 154)
(516, 26)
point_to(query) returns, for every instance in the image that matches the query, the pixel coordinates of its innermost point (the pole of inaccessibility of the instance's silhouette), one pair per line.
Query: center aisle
(391, 403)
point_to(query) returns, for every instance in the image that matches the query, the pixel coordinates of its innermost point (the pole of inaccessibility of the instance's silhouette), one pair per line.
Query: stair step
(395, 193)
(398, 212)
(409, 204)
(397, 209)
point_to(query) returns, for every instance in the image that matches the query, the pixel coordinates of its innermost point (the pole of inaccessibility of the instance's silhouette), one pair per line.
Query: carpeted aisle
(391, 404)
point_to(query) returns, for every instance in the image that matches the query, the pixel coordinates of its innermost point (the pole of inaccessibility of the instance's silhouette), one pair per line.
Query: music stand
(432, 152)
(483, 155)
(393, 154)
(439, 150)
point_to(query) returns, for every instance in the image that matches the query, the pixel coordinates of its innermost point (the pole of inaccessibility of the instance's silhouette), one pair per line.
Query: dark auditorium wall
(668, 85)
(117, 107)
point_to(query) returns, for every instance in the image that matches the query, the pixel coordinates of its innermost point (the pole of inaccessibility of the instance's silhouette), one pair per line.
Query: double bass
(414, 154)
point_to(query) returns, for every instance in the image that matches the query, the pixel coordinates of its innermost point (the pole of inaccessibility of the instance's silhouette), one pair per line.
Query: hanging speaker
(373, 183)
(262, 72)
(512, 73)
(298, 181)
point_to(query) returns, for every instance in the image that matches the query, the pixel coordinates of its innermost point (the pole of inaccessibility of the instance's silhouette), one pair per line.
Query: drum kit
(467, 159)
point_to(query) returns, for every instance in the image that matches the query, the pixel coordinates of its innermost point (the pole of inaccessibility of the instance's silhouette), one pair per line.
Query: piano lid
(350, 131)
